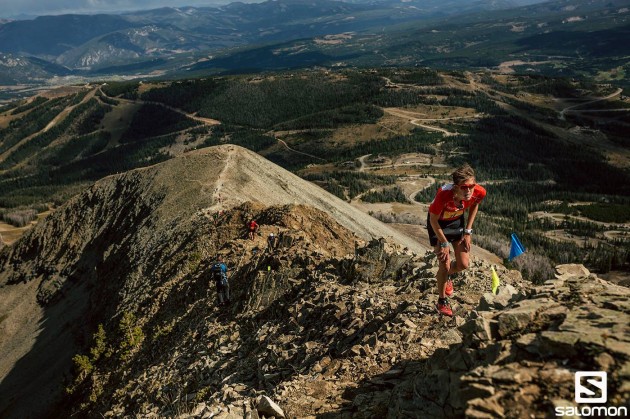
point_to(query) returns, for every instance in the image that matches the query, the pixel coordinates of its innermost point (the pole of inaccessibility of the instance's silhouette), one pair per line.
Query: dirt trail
(206, 121)
(559, 218)
(218, 185)
(412, 117)
(362, 161)
(296, 151)
(413, 194)
(431, 128)
(571, 109)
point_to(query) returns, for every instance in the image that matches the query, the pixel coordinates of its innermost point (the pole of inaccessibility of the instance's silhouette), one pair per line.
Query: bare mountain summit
(245, 176)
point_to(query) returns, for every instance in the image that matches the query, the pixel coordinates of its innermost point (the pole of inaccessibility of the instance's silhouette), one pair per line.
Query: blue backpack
(219, 275)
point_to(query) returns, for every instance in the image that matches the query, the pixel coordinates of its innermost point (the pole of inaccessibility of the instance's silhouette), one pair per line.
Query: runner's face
(464, 190)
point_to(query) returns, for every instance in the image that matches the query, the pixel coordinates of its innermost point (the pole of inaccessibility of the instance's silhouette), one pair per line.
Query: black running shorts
(453, 230)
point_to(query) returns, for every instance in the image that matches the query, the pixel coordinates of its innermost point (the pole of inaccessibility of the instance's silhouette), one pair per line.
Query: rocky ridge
(308, 325)
(328, 324)
(358, 337)
(109, 250)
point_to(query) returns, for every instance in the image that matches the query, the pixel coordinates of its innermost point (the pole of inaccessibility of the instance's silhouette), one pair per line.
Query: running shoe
(444, 307)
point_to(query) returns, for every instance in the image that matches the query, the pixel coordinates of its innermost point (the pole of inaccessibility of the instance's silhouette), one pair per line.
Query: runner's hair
(462, 174)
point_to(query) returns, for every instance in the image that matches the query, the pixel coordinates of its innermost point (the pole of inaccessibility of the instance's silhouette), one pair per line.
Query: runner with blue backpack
(218, 272)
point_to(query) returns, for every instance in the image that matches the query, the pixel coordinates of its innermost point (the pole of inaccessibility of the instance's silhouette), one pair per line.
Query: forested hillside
(552, 175)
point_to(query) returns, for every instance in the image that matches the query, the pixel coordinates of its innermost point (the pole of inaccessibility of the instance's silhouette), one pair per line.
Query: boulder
(267, 408)
(506, 294)
(571, 270)
(479, 329)
(516, 320)
(484, 408)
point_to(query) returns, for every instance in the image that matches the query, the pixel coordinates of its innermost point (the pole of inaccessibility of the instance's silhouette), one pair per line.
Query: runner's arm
(472, 213)
(443, 253)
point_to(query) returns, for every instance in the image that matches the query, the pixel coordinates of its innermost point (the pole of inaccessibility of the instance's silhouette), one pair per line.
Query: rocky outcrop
(520, 359)
(302, 332)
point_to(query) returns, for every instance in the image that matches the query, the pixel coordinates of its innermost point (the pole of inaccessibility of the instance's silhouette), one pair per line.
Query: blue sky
(10, 8)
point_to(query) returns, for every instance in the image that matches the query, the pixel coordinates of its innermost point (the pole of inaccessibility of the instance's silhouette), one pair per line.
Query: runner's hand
(443, 254)
(467, 241)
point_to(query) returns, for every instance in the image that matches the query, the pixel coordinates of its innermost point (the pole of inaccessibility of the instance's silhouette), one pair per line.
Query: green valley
(550, 151)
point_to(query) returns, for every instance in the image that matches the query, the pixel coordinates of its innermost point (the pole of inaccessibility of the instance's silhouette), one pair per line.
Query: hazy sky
(10, 8)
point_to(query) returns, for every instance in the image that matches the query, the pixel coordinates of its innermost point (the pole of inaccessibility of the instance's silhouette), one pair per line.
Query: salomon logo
(591, 387)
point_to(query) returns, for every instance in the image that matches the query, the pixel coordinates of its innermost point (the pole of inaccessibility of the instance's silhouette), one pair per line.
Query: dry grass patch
(319, 168)
(562, 236)
(502, 78)
(394, 125)
(357, 134)
(145, 87)
(184, 142)
(615, 154)
(451, 81)
(62, 91)
(432, 112)
(6, 118)
(541, 101)
(9, 234)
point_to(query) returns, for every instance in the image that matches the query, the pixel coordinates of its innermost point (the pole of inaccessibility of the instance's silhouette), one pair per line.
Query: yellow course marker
(495, 281)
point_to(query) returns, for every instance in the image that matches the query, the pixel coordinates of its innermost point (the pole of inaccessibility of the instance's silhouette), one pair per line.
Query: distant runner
(252, 228)
(271, 242)
(219, 275)
(446, 224)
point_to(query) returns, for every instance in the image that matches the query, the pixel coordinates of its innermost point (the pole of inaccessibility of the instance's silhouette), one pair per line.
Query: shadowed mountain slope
(109, 248)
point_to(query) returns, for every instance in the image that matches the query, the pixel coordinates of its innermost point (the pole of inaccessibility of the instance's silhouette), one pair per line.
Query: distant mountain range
(82, 42)
(284, 34)
(563, 37)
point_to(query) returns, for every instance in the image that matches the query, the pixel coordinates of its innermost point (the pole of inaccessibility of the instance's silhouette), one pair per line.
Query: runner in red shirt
(446, 224)
(252, 228)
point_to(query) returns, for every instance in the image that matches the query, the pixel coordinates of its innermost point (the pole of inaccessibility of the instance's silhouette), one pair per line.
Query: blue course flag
(517, 247)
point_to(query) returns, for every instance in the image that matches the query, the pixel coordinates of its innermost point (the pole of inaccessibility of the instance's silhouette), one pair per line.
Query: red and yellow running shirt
(447, 209)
